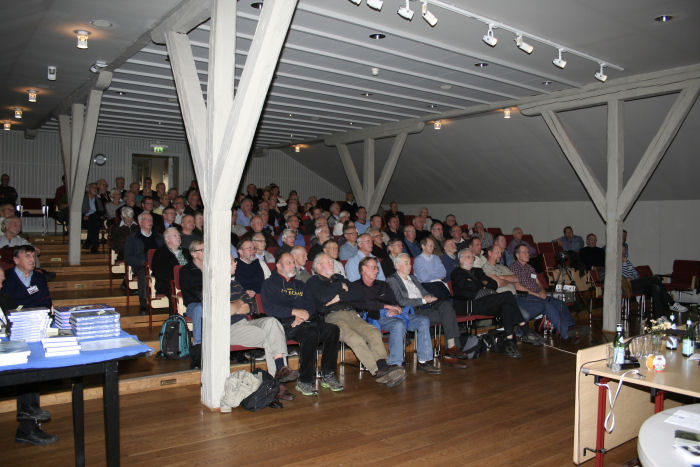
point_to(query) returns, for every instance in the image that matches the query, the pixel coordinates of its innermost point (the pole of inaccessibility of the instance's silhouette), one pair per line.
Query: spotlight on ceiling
(489, 38)
(437, 124)
(356, 2)
(375, 4)
(405, 12)
(522, 45)
(297, 148)
(559, 62)
(7, 126)
(31, 95)
(600, 75)
(429, 18)
(82, 38)
(18, 113)
(506, 113)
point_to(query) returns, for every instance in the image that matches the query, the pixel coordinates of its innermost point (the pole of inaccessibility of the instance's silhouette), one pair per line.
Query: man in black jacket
(93, 212)
(331, 295)
(136, 251)
(166, 258)
(283, 297)
(472, 284)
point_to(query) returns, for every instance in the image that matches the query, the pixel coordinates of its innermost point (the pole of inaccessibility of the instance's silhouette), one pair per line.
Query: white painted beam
(581, 167)
(64, 132)
(368, 170)
(187, 16)
(351, 173)
(194, 113)
(387, 172)
(377, 132)
(613, 228)
(658, 146)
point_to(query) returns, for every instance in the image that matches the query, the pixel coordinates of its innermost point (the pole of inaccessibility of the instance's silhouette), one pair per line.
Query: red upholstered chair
(494, 231)
(684, 275)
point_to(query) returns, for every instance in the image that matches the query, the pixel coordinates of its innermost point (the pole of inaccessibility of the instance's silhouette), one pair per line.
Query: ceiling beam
(383, 131)
(185, 17)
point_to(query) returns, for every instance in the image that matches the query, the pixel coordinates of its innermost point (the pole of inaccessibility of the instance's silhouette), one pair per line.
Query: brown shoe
(455, 353)
(284, 395)
(286, 374)
(454, 363)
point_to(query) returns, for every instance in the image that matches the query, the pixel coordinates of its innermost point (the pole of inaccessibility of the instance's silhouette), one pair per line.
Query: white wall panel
(289, 175)
(658, 231)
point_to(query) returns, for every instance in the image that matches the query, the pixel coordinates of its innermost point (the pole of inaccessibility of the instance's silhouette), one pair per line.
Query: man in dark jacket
(25, 286)
(283, 297)
(136, 251)
(93, 213)
(166, 258)
(379, 302)
(330, 295)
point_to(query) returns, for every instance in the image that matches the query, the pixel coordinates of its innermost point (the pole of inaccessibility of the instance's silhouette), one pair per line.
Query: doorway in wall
(158, 168)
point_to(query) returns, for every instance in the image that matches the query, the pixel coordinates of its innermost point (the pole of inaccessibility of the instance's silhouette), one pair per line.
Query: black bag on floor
(174, 339)
(472, 345)
(495, 341)
(265, 395)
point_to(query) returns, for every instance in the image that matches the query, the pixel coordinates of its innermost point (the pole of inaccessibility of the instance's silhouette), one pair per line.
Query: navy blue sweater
(17, 290)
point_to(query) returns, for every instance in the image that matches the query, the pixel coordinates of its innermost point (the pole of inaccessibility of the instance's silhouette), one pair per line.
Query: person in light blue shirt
(361, 223)
(352, 267)
(430, 271)
(349, 247)
(570, 242)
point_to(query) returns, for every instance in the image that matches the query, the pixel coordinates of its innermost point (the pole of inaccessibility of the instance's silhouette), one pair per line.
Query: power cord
(612, 399)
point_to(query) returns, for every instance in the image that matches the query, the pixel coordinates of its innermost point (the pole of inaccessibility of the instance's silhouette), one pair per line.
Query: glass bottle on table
(688, 346)
(672, 341)
(619, 349)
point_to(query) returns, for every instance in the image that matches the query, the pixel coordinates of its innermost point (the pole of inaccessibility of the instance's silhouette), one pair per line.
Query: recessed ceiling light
(101, 23)
(366, 94)
(431, 106)
(481, 64)
(257, 5)
(445, 86)
(377, 35)
(349, 123)
(547, 83)
(121, 93)
(290, 115)
(663, 18)
(82, 38)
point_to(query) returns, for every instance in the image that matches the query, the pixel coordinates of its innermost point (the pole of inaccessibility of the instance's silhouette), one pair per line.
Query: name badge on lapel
(32, 290)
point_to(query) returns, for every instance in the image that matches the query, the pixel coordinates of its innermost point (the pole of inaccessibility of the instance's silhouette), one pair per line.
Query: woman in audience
(430, 271)
(426, 218)
(330, 247)
(114, 204)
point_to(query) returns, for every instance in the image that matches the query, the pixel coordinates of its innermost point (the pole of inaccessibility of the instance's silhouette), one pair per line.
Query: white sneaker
(678, 307)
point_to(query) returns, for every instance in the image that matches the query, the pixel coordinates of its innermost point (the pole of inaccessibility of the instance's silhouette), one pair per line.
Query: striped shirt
(628, 270)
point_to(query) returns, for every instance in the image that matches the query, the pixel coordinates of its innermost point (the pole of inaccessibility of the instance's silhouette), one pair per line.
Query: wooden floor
(499, 411)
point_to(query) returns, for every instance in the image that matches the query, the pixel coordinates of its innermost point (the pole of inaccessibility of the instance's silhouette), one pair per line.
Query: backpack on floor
(495, 341)
(265, 395)
(174, 339)
(472, 345)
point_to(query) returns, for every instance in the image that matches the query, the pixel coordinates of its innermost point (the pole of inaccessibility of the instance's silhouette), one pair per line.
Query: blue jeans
(555, 310)
(194, 311)
(397, 330)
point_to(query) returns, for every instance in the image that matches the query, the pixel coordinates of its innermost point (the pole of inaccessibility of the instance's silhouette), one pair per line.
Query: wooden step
(85, 259)
(65, 268)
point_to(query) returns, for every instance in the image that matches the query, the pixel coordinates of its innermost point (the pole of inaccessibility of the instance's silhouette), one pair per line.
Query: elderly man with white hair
(322, 234)
(409, 292)
(120, 231)
(166, 258)
(331, 295)
(343, 217)
(300, 258)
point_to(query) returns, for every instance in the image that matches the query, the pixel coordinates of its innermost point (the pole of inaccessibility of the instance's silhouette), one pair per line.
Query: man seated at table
(331, 295)
(410, 293)
(380, 304)
(24, 286)
(283, 298)
(262, 332)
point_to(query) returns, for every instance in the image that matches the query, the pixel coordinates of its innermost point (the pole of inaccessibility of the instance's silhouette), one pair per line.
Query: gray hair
(463, 252)
(317, 259)
(288, 233)
(127, 212)
(170, 231)
(400, 258)
(144, 214)
(194, 245)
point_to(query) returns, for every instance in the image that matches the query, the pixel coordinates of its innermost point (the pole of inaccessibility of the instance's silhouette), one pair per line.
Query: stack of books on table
(29, 324)
(13, 353)
(63, 313)
(65, 343)
(103, 323)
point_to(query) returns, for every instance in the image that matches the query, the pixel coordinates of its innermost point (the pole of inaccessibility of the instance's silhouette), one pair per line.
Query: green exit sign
(158, 149)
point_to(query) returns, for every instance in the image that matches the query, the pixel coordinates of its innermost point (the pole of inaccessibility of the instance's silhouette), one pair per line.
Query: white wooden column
(220, 134)
(77, 140)
(615, 202)
(367, 193)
